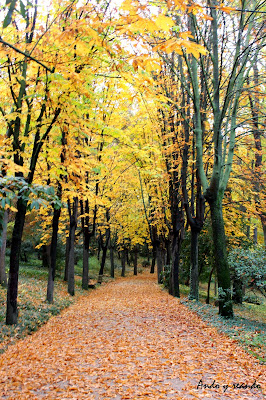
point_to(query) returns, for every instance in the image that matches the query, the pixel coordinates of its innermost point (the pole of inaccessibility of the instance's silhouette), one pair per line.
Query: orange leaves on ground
(128, 340)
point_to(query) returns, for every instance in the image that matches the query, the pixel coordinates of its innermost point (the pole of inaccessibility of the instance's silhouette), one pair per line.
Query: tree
(224, 91)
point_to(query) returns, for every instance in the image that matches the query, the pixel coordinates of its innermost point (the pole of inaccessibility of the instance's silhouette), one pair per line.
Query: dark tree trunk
(86, 243)
(168, 252)
(73, 215)
(104, 250)
(66, 259)
(3, 276)
(160, 262)
(220, 256)
(174, 274)
(46, 256)
(112, 261)
(153, 261)
(263, 222)
(135, 261)
(123, 262)
(51, 276)
(99, 250)
(12, 290)
(87, 235)
(194, 265)
(104, 245)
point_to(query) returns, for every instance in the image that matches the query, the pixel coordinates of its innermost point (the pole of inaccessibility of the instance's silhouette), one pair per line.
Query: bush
(249, 265)
(252, 300)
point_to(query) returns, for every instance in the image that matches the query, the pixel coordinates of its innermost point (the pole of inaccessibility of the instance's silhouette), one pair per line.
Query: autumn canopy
(134, 127)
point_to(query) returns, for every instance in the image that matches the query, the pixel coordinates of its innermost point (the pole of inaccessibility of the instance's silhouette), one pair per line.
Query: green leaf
(35, 204)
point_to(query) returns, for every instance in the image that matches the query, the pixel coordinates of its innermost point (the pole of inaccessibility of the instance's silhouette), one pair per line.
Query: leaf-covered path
(128, 340)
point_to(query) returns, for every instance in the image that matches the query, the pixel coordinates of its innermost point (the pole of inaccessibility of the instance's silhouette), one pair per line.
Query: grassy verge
(248, 327)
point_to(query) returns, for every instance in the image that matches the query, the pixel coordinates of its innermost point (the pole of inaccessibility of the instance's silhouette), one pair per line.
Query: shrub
(249, 265)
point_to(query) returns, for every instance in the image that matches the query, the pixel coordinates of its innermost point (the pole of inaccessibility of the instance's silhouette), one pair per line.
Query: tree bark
(104, 246)
(66, 259)
(12, 289)
(104, 250)
(153, 261)
(73, 215)
(112, 272)
(87, 235)
(136, 261)
(51, 276)
(3, 276)
(123, 262)
(174, 273)
(220, 256)
(159, 258)
(86, 244)
(194, 265)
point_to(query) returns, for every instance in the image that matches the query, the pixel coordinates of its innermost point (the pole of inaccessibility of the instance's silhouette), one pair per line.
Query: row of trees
(128, 119)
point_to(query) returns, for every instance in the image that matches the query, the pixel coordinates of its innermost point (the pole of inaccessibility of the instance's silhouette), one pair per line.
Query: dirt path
(128, 340)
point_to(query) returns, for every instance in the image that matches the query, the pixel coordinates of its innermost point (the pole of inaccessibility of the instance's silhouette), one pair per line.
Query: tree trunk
(46, 256)
(159, 258)
(12, 290)
(153, 261)
(174, 273)
(194, 265)
(135, 261)
(104, 246)
(99, 250)
(52, 268)
(168, 252)
(71, 260)
(104, 249)
(220, 256)
(123, 262)
(85, 221)
(3, 277)
(66, 260)
(263, 222)
(112, 261)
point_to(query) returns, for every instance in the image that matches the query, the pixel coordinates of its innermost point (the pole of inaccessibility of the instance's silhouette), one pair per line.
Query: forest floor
(129, 339)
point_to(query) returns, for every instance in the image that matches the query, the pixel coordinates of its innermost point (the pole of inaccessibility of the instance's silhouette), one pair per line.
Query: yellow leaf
(164, 23)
